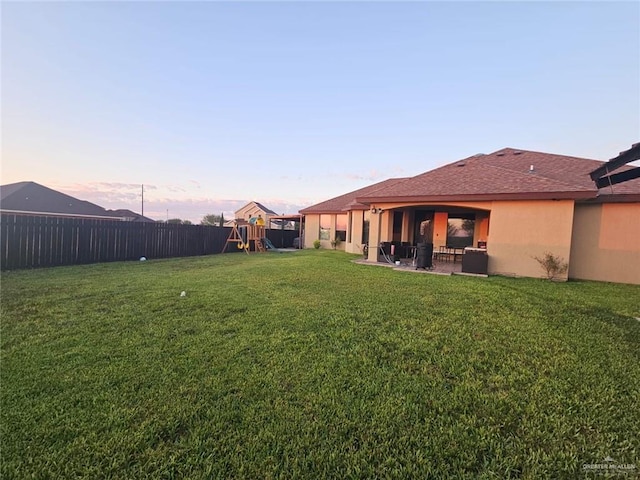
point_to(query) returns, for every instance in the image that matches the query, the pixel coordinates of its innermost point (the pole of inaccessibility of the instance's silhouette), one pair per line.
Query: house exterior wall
(250, 210)
(440, 220)
(354, 232)
(606, 243)
(312, 232)
(311, 229)
(375, 231)
(521, 230)
(481, 232)
(332, 232)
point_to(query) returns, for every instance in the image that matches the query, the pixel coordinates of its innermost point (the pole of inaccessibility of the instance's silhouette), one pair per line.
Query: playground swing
(252, 238)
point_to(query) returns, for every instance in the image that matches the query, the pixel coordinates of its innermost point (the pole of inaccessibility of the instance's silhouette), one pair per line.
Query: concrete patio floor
(439, 267)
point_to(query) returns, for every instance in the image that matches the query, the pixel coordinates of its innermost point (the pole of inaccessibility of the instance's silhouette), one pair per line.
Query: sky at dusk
(214, 104)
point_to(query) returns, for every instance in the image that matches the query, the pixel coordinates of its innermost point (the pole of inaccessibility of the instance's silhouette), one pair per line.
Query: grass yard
(306, 365)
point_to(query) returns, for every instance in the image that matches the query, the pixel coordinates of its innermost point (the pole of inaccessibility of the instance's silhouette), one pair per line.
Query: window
(325, 227)
(397, 226)
(365, 227)
(460, 232)
(423, 227)
(341, 226)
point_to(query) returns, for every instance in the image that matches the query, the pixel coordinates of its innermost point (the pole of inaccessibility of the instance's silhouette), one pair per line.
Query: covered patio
(446, 232)
(438, 267)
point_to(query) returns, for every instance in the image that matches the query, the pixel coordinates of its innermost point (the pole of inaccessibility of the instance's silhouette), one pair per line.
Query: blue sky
(214, 104)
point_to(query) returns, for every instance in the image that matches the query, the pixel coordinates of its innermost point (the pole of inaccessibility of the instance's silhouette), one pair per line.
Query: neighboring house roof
(129, 215)
(265, 209)
(35, 199)
(348, 201)
(31, 197)
(504, 174)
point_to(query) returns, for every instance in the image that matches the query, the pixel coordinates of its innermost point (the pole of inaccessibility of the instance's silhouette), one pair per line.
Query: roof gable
(265, 209)
(348, 200)
(7, 190)
(253, 206)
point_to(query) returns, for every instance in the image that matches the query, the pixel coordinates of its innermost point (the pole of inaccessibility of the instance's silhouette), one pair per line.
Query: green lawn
(306, 365)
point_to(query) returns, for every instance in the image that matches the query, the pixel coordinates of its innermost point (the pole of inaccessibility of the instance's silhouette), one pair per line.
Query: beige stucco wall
(250, 210)
(312, 232)
(376, 233)
(354, 231)
(311, 229)
(606, 243)
(521, 230)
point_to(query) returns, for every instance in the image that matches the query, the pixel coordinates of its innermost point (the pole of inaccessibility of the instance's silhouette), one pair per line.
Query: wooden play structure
(249, 237)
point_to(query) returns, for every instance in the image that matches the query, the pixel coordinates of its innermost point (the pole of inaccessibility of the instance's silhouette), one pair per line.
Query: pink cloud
(159, 201)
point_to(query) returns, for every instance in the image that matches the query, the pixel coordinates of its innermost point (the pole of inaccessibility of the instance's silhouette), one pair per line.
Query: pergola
(294, 217)
(602, 175)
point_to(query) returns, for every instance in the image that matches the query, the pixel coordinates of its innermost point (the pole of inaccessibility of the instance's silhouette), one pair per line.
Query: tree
(468, 225)
(213, 220)
(179, 221)
(452, 230)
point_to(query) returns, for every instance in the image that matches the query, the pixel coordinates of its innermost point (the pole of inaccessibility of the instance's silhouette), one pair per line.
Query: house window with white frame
(325, 227)
(341, 226)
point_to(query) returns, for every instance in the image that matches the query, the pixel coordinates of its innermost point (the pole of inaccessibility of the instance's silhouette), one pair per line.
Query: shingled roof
(31, 197)
(348, 201)
(35, 199)
(265, 209)
(506, 174)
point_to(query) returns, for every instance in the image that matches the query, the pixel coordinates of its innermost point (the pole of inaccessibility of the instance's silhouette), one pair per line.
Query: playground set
(250, 237)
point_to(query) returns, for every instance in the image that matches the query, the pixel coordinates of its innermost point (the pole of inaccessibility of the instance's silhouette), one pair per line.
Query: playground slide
(268, 244)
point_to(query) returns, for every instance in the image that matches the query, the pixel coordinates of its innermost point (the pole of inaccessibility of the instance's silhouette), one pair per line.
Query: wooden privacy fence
(31, 241)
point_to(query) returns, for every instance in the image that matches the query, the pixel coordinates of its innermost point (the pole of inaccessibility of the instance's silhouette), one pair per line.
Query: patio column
(355, 226)
(440, 229)
(406, 226)
(481, 231)
(374, 236)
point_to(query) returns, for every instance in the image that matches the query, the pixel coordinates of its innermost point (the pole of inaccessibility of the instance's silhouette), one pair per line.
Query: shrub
(553, 265)
(316, 244)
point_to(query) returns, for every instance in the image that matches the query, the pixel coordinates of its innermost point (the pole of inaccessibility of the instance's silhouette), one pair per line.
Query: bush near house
(552, 265)
(260, 371)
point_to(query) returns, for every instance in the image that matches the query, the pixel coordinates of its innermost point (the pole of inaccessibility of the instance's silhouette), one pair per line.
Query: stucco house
(252, 210)
(520, 203)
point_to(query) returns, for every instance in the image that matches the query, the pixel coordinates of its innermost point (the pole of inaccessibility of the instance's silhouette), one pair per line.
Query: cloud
(194, 209)
(372, 175)
(174, 201)
(107, 195)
